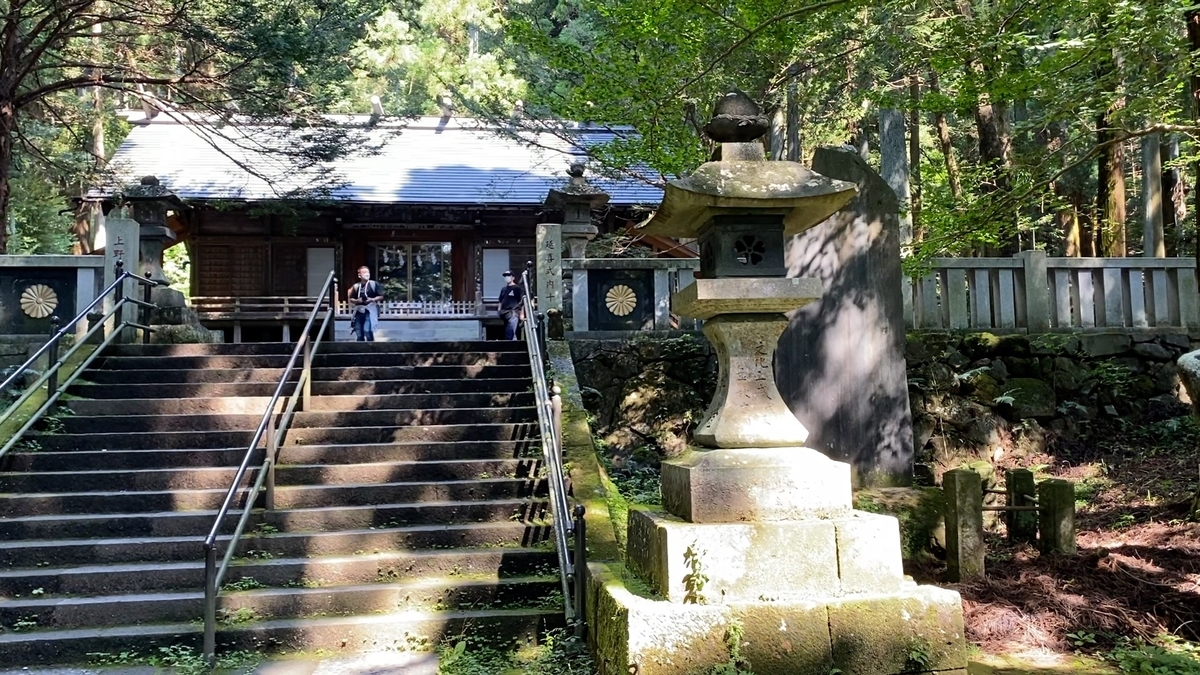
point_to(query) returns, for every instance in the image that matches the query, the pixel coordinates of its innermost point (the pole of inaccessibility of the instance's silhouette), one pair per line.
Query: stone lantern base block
(790, 561)
(754, 484)
(925, 622)
(660, 637)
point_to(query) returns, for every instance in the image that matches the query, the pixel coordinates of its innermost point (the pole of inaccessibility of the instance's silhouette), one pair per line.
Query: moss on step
(589, 485)
(29, 407)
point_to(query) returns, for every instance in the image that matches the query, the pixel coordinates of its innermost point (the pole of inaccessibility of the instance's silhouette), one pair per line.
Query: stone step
(302, 420)
(59, 552)
(404, 630)
(142, 577)
(228, 375)
(437, 593)
(93, 460)
(286, 496)
(208, 478)
(318, 403)
(338, 347)
(168, 440)
(322, 360)
(367, 387)
(321, 519)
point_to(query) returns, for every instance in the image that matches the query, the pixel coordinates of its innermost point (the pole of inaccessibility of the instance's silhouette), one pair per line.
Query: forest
(1065, 125)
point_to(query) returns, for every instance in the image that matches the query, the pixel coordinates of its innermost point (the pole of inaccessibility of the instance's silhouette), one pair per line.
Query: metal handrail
(548, 401)
(54, 388)
(273, 428)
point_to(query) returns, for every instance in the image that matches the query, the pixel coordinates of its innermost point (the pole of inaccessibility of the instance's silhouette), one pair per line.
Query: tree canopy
(1021, 124)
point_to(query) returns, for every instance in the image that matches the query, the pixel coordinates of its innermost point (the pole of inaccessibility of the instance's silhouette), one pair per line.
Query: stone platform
(761, 545)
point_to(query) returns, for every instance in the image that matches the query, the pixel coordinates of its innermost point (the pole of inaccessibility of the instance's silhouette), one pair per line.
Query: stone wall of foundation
(980, 396)
(974, 396)
(645, 395)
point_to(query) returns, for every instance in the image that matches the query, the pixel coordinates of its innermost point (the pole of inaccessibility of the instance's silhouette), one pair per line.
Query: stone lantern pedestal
(757, 552)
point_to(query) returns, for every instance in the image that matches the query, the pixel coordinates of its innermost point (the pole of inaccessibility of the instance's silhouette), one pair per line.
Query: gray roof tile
(428, 161)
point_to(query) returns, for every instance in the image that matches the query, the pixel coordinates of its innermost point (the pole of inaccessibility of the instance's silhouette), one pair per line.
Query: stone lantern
(149, 202)
(758, 532)
(577, 199)
(741, 210)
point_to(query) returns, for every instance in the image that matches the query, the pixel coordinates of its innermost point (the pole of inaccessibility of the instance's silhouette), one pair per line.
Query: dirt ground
(1137, 571)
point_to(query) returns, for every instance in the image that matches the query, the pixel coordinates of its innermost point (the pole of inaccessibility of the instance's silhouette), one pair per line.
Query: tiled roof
(429, 160)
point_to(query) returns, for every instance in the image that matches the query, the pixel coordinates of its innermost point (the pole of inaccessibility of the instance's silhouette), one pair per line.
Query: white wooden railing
(290, 307)
(1033, 293)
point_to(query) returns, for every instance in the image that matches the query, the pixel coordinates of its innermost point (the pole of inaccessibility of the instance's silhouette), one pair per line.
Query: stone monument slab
(840, 363)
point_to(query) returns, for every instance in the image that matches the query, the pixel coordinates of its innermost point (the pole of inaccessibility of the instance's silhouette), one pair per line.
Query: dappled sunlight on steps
(410, 504)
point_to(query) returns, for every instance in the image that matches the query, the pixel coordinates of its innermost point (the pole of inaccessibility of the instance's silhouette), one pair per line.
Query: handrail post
(52, 358)
(579, 566)
(306, 375)
(146, 316)
(272, 446)
(331, 335)
(556, 407)
(210, 602)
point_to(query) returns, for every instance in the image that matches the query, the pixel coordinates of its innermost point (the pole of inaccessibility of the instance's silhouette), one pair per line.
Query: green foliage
(919, 656)
(70, 70)
(237, 617)
(1113, 377)
(1170, 656)
(183, 660)
(243, 584)
(177, 261)
(737, 664)
(558, 654)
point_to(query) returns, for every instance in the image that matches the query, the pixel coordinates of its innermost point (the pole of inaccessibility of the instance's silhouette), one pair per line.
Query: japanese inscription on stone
(549, 267)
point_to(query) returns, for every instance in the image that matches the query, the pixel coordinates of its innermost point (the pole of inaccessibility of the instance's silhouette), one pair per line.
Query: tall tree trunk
(8, 126)
(775, 137)
(945, 142)
(914, 156)
(794, 150)
(1172, 190)
(1110, 189)
(9, 64)
(1193, 32)
(1152, 198)
(994, 144)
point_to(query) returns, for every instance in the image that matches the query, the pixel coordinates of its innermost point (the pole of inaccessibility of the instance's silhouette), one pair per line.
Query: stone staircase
(409, 505)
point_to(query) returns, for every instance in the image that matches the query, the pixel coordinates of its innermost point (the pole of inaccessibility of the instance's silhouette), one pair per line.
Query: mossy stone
(1031, 397)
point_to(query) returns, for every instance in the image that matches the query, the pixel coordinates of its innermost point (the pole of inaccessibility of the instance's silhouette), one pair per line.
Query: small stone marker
(963, 490)
(1022, 525)
(1057, 516)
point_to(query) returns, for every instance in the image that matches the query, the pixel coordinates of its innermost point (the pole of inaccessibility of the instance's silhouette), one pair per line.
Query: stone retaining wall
(974, 396)
(645, 395)
(980, 396)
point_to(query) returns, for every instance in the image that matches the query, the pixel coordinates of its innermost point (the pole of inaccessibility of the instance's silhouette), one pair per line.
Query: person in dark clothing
(364, 298)
(512, 309)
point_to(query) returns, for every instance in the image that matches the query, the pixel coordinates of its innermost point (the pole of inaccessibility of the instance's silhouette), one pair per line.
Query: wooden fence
(1033, 293)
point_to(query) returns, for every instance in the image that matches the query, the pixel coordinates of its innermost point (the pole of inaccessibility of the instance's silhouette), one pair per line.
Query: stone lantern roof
(577, 191)
(742, 182)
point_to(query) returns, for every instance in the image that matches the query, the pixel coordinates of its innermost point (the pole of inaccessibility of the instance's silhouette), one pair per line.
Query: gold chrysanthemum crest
(39, 301)
(620, 300)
